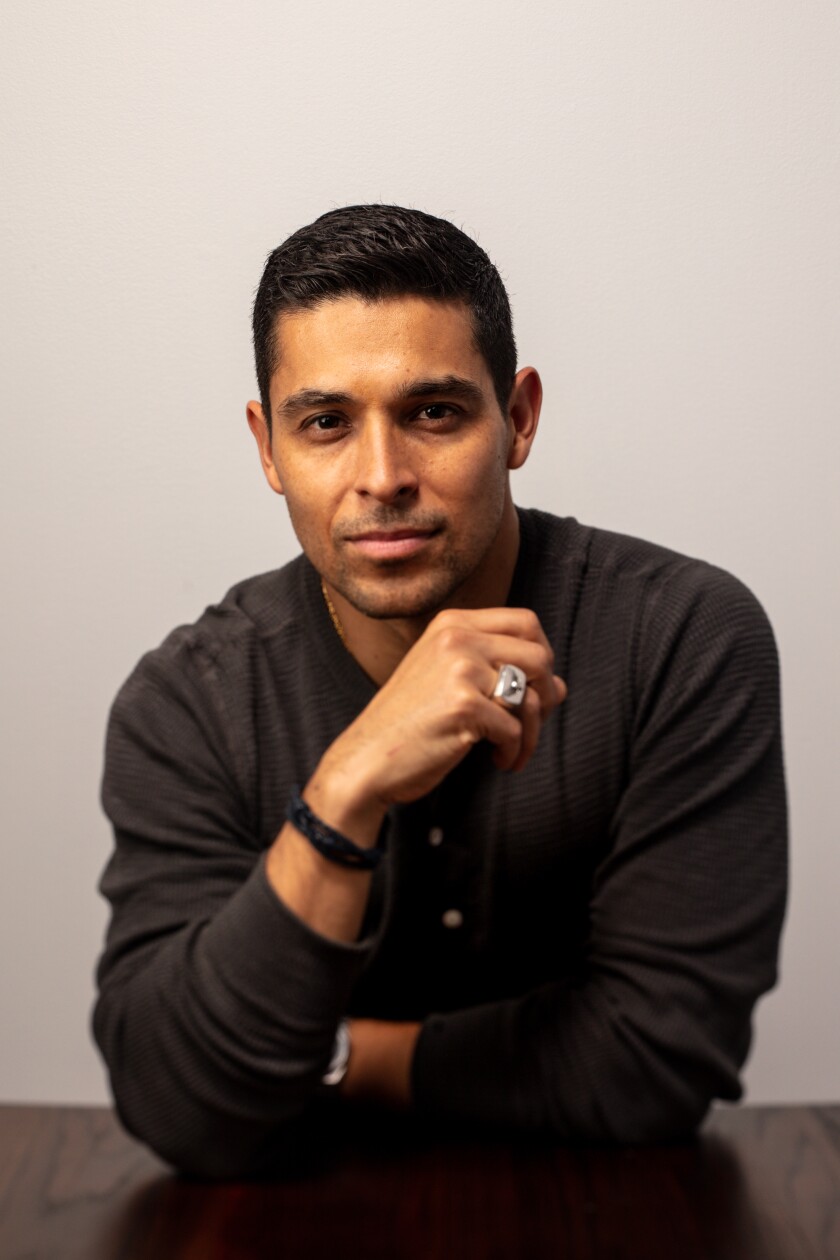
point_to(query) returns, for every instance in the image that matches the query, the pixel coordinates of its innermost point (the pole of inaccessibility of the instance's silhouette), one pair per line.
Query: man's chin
(396, 609)
(396, 600)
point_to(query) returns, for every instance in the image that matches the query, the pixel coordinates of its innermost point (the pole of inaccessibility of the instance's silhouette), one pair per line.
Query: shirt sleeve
(217, 1006)
(686, 909)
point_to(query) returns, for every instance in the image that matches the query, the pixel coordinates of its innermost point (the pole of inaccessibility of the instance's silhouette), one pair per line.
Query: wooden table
(761, 1183)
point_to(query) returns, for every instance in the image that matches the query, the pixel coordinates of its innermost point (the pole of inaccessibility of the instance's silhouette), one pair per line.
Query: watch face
(337, 1069)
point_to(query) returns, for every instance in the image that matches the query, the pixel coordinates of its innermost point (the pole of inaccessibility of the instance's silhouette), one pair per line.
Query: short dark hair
(376, 252)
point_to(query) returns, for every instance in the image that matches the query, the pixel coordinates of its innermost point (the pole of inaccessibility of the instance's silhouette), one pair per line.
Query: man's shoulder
(598, 554)
(632, 585)
(227, 634)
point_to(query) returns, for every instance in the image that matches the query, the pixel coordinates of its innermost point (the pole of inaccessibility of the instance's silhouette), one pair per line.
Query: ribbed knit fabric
(619, 902)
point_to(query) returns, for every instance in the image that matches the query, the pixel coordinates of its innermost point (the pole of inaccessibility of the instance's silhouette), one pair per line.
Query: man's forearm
(418, 727)
(326, 895)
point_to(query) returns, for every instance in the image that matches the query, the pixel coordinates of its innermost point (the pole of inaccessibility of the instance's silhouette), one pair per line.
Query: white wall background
(659, 185)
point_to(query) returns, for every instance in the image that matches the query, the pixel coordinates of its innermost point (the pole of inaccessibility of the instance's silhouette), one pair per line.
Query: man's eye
(437, 411)
(323, 424)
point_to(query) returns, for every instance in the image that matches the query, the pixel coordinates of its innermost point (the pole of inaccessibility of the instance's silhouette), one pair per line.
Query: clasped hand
(439, 702)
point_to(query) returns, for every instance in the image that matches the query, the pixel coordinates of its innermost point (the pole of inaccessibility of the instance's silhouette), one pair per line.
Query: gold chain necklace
(334, 618)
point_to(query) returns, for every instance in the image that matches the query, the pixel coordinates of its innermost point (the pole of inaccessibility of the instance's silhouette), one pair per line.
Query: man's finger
(530, 717)
(518, 623)
(534, 661)
(502, 728)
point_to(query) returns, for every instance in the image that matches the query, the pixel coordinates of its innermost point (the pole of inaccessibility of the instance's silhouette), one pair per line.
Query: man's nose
(385, 470)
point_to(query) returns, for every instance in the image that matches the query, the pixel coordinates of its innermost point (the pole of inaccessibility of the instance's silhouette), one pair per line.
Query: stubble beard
(392, 595)
(403, 590)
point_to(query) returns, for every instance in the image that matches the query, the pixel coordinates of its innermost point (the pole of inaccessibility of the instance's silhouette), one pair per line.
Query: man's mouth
(391, 544)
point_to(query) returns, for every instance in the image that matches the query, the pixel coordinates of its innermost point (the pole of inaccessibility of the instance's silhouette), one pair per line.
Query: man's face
(391, 450)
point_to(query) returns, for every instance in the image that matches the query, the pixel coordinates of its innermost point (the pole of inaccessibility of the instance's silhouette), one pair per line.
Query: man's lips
(391, 544)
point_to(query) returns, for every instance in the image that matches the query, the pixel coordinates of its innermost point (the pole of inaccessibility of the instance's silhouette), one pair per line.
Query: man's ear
(258, 425)
(524, 412)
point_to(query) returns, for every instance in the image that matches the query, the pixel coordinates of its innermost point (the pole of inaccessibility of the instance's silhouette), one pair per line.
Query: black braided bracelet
(331, 843)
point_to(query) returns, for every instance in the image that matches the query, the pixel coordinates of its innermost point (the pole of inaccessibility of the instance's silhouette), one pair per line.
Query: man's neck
(379, 644)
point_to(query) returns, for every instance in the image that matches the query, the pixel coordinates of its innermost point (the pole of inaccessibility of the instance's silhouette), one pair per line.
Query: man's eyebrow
(305, 398)
(431, 387)
(452, 386)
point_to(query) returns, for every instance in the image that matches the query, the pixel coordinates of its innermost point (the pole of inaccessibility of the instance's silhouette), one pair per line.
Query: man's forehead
(340, 334)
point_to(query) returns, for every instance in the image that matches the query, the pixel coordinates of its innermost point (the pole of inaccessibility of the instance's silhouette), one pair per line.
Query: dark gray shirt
(584, 940)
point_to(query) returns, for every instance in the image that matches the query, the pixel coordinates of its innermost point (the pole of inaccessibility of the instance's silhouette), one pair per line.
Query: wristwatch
(337, 1069)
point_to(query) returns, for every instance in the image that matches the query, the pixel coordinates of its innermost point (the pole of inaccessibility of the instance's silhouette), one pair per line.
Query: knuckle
(531, 622)
(531, 704)
(462, 701)
(450, 636)
(445, 618)
(461, 672)
(546, 659)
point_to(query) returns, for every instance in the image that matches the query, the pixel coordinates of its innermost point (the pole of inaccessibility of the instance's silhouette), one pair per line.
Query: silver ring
(510, 686)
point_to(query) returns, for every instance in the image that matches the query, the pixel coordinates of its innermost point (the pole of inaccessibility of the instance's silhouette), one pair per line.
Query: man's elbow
(661, 1122)
(665, 1106)
(204, 1125)
(222, 1147)
(637, 1105)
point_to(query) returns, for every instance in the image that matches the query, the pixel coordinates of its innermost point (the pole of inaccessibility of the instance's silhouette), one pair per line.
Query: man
(467, 809)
